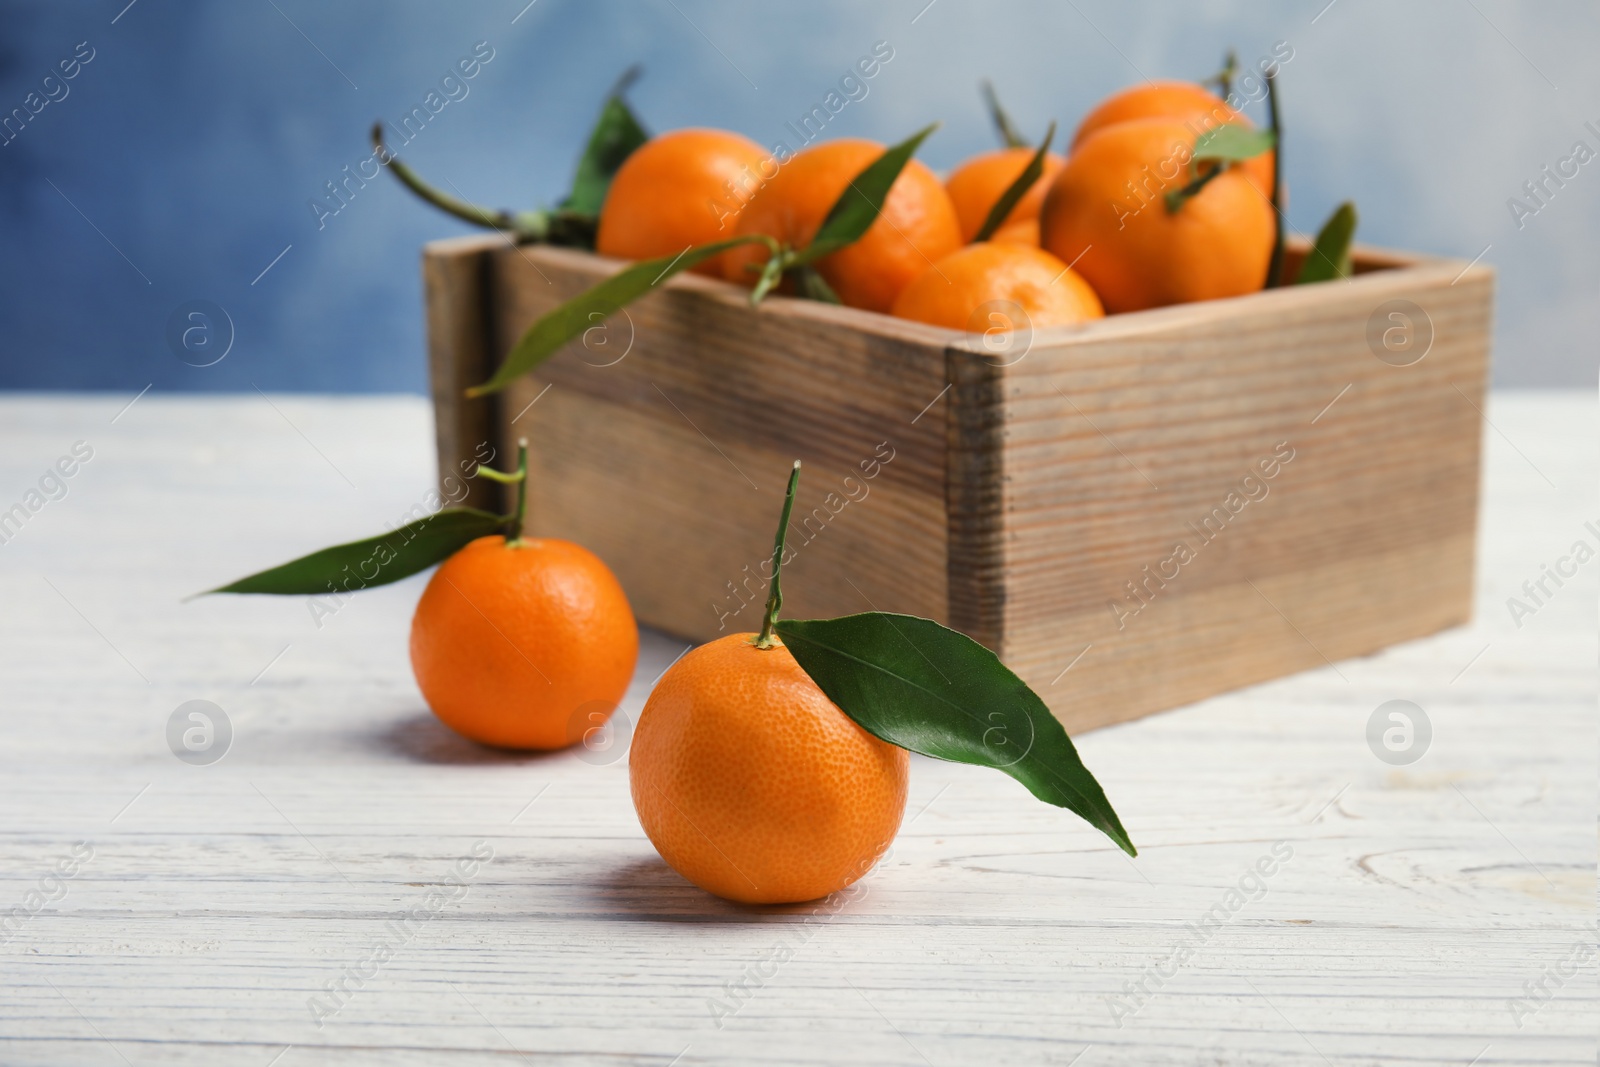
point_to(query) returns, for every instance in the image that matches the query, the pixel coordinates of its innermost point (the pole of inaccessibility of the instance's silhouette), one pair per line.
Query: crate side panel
(1137, 495)
(457, 290)
(670, 461)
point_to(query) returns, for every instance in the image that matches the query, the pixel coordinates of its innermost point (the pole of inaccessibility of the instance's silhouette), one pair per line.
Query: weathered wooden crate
(1032, 500)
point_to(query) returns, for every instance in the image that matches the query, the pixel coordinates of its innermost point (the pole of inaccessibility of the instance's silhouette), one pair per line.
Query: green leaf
(1009, 136)
(615, 135)
(1329, 257)
(1016, 190)
(857, 207)
(1232, 142)
(932, 690)
(389, 557)
(592, 307)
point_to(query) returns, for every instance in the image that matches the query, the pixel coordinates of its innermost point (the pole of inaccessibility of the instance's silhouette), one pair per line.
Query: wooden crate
(1034, 503)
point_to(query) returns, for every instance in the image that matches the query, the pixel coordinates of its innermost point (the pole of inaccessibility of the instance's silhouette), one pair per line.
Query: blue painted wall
(181, 158)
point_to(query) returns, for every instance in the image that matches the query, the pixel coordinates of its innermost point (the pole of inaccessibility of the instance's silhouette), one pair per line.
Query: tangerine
(524, 644)
(957, 292)
(1021, 232)
(916, 225)
(677, 190)
(1106, 214)
(977, 185)
(753, 785)
(1189, 102)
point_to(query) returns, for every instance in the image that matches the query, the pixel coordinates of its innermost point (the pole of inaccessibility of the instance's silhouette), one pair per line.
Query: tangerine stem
(764, 639)
(1275, 264)
(514, 534)
(524, 226)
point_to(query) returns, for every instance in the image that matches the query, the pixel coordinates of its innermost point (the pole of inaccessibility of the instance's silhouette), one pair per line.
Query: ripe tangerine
(677, 190)
(523, 645)
(753, 785)
(916, 226)
(956, 291)
(1106, 214)
(1188, 102)
(977, 185)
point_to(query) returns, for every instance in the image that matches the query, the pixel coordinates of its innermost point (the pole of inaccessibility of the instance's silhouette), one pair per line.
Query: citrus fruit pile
(1166, 194)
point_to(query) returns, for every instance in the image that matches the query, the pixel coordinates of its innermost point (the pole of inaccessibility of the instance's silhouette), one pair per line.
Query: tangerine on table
(523, 645)
(753, 785)
(1189, 102)
(676, 190)
(1106, 214)
(954, 292)
(977, 185)
(916, 226)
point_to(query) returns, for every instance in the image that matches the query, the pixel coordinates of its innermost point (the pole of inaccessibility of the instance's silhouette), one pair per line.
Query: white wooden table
(170, 913)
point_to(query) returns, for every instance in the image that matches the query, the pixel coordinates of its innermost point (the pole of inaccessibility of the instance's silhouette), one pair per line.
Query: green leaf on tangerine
(617, 132)
(1329, 257)
(1016, 190)
(856, 209)
(389, 557)
(1231, 142)
(592, 307)
(927, 688)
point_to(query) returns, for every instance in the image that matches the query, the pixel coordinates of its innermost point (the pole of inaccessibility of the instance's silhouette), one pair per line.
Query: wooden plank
(463, 350)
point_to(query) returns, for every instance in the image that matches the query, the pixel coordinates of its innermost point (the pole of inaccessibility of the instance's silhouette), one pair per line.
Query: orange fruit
(1021, 232)
(977, 185)
(676, 190)
(1106, 214)
(1189, 102)
(753, 785)
(525, 645)
(916, 226)
(974, 288)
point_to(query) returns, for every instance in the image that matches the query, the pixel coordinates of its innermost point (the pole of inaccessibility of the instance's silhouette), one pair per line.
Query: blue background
(195, 138)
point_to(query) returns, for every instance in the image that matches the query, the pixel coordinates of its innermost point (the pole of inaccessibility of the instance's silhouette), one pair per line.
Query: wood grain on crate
(1028, 494)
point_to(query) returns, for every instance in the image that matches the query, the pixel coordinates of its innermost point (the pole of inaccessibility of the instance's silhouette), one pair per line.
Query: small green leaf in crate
(1329, 257)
